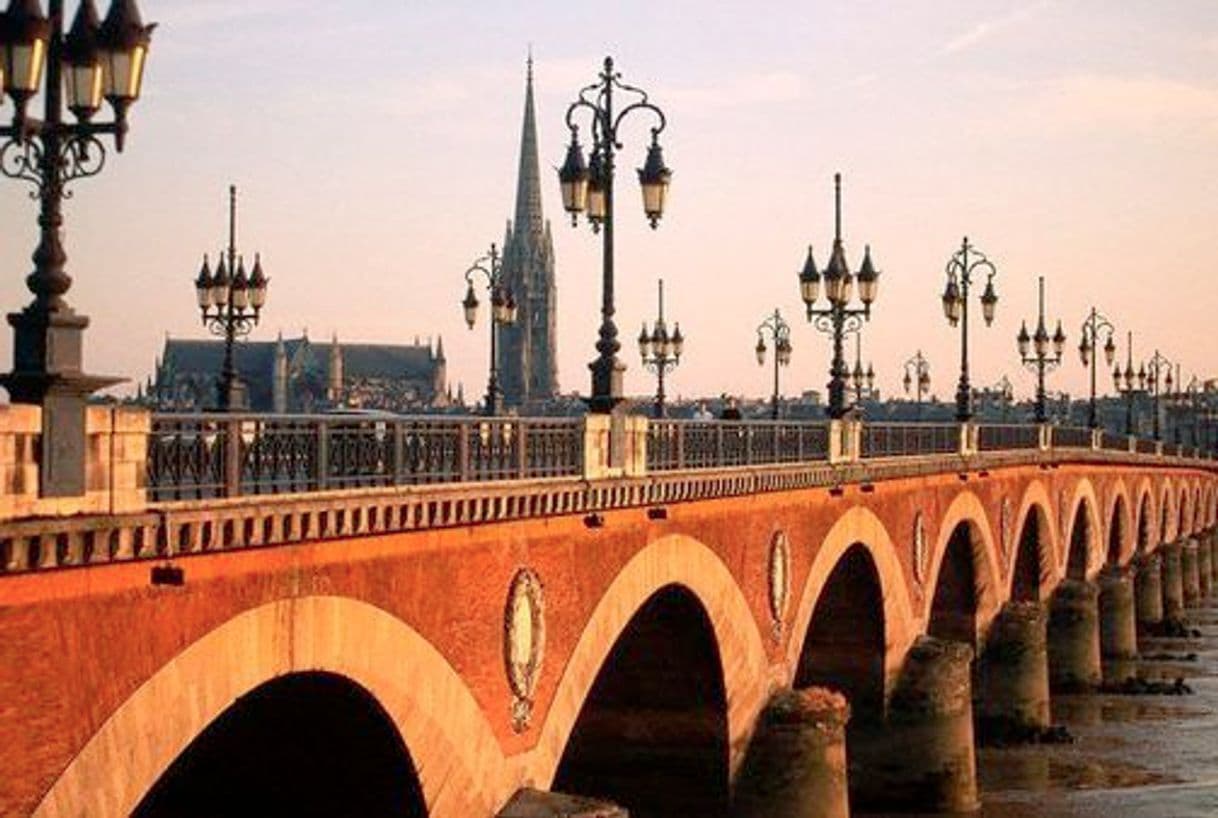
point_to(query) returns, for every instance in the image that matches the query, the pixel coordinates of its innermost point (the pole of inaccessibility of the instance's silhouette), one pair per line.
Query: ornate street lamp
(503, 312)
(589, 187)
(1129, 384)
(1155, 377)
(1088, 346)
(861, 380)
(960, 269)
(837, 318)
(94, 60)
(230, 303)
(1042, 358)
(780, 334)
(917, 378)
(661, 352)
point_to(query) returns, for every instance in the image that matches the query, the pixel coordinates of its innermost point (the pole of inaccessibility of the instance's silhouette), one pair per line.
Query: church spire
(528, 181)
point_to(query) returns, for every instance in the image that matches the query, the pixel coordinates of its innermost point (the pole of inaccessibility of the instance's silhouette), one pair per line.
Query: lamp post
(1128, 383)
(780, 333)
(1155, 374)
(94, 60)
(1088, 347)
(659, 351)
(960, 269)
(503, 311)
(1041, 360)
(837, 318)
(230, 303)
(917, 378)
(589, 186)
(862, 380)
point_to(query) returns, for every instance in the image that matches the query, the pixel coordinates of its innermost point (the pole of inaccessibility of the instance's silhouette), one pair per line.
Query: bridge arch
(458, 762)
(1120, 537)
(1167, 513)
(965, 591)
(1145, 527)
(671, 562)
(859, 527)
(1034, 562)
(1083, 537)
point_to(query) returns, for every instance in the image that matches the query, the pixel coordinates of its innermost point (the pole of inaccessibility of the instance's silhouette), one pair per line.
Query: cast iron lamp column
(837, 319)
(230, 303)
(960, 269)
(780, 333)
(1088, 346)
(1041, 361)
(503, 311)
(1158, 380)
(862, 380)
(661, 352)
(94, 60)
(1124, 383)
(917, 377)
(590, 187)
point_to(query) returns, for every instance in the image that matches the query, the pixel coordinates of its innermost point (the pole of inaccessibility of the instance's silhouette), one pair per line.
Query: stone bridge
(662, 635)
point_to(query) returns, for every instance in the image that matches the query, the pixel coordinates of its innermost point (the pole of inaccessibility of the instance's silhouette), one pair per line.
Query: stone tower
(528, 363)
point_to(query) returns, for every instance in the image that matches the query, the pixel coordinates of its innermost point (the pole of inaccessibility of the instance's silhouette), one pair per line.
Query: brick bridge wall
(107, 676)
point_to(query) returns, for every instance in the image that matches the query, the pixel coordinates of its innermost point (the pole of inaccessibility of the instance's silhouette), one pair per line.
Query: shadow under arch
(1032, 576)
(965, 576)
(1167, 514)
(1144, 520)
(460, 767)
(1120, 534)
(1083, 539)
(673, 560)
(652, 733)
(309, 744)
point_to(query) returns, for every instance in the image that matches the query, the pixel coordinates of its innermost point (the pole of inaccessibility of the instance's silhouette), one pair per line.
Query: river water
(1133, 756)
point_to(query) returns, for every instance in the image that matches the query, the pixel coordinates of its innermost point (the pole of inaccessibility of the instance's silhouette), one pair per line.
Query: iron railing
(1144, 446)
(200, 456)
(909, 439)
(1004, 436)
(1114, 443)
(695, 444)
(1072, 437)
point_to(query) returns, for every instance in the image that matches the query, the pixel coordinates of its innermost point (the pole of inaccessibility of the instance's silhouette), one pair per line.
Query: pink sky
(375, 149)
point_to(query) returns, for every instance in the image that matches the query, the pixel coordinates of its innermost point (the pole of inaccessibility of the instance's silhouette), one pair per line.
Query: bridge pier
(1074, 637)
(930, 717)
(1013, 671)
(1118, 625)
(1205, 564)
(1173, 580)
(796, 762)
(1148, 589)
(1191, 574)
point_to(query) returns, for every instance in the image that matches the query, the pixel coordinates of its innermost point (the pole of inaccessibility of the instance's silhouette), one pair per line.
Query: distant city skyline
(376, 152)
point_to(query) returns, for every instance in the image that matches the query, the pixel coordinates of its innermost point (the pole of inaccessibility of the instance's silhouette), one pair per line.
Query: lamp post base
(606, 385)
(46, 372)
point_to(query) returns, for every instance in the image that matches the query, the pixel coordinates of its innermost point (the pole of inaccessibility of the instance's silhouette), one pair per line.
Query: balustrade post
(1046, 437)
(1097, 439)
(323, 455)
(232, 458)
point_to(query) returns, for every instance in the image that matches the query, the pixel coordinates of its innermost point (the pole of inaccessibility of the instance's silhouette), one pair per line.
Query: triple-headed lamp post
(1093, 327)
(1155, 375)
(660, 351)
(837, 318)
(95, 60)
(230, 304)
(917, 378)
(780, 333)
(503, 312)
(588, 187)
(1129, 384)
(1040, 359)
(960, 269)
(863, 380)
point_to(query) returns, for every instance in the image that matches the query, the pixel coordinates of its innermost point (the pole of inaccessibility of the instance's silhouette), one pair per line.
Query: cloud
(988, 28)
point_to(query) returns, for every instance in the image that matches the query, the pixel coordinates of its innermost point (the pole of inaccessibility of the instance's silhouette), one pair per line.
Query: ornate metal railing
(206, 456)
(999, 437)
(906, 439)
(1144, 446)
(1114, 443)
(1073, 437)
(695, 444)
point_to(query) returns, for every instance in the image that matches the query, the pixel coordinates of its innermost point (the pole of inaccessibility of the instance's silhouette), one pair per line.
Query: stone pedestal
(1148, 589)
(929, 764)
(1205, 565)
(1118, 625)
(796, 763)
(1013, 671)
(1191, 573)
(1074, 637)
(530, 803)
(1173, 580)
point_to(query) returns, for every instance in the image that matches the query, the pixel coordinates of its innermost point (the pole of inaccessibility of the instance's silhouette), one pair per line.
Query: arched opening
(953, 613)
(1116, 531)
(652, 733)
(844, 645)
(305, 744)
(1145, 521)
(1080, 537)
(1025, 583)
